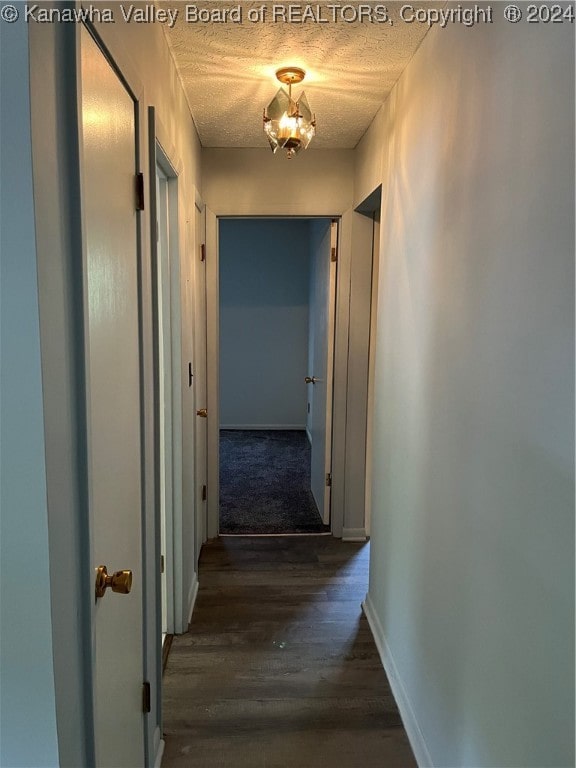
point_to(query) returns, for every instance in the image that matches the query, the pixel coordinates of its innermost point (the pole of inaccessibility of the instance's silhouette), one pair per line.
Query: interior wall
(254, 182)
(27, 688)
(264, 282)
(471, 593)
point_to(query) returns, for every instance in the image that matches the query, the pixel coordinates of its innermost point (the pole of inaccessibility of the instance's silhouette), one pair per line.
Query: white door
(200, 388)
(323, 292)
(113, 402)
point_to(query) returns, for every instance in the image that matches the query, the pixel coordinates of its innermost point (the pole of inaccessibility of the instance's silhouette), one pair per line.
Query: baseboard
(354, 534)
(299, 427)
(192, 595)
(409, 720)
(159, 754)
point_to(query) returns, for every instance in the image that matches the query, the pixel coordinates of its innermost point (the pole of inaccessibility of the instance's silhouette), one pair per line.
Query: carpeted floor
(265, 483)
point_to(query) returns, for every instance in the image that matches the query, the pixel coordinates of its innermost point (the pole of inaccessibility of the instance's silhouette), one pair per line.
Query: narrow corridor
(279, 668)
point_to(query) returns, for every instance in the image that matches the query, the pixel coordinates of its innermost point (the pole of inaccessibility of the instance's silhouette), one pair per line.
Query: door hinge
(146, 697)
(161, 563)
(333, 254)
(139, 191)
(203, 252)
(328, 479)
(190, 374)
(204, 493)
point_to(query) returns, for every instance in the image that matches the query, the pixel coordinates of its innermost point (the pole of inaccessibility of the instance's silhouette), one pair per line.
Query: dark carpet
(265, 483)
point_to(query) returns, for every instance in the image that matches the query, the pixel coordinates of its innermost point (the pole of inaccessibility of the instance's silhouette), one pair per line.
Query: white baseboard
(300, 427)
(411, 726)
(192, 595)
(354, 534)
(159, 754)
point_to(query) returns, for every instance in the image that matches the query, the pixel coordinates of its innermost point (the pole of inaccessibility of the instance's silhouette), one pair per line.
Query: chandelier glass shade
(289, 123)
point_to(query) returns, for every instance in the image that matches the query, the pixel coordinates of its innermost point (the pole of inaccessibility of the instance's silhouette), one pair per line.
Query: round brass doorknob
(310, 379)
(202, 412)
(120, 581)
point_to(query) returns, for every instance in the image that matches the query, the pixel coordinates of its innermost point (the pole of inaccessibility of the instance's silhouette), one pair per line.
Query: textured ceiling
(228, 68)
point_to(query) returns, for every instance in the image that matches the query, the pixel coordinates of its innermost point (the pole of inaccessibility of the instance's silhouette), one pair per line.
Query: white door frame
(363, 354)
(372, 369)
(200, 373)
(173, 523)
(165, 156)
(351, 362)
(213, 364)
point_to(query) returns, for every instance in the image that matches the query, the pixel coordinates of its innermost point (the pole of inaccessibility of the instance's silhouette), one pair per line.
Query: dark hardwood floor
(279, 668)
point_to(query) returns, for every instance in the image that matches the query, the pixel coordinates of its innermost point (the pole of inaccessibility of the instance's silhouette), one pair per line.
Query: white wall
(472, 573)
(264, 280)
(254, 182)
(27, 678)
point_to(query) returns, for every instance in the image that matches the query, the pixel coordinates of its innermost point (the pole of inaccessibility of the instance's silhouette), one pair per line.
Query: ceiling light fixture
(289, 124)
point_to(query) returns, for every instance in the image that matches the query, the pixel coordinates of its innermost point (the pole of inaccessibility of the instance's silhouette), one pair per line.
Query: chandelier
(288, 123)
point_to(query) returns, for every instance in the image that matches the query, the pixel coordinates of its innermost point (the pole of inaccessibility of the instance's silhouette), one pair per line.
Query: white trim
(212, 373)
(308, 435)
(192, 595)
(293, 427)
(159, 754)
(407, 714)
(354, 534)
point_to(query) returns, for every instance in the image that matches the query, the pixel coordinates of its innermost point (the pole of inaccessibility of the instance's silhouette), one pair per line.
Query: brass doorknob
(120, 581)
(202, 412)
(310, 379)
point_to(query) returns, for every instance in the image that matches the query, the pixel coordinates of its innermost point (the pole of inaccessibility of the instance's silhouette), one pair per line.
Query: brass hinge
(328, 479)
(161, 563)
(203, 252)
(333, 254)
(139, 191)
(146, 697)
(204, 493)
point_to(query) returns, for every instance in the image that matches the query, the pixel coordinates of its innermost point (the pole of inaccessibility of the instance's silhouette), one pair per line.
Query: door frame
(200, 372)
(159, 158)
(368, 230)
(351, 361)
(340, 356)
(334, 243)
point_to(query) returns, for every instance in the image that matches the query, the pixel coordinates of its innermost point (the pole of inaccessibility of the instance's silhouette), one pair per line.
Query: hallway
(279, 668)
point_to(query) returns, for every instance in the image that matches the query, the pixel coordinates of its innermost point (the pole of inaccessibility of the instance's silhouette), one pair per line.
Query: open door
(321, 360)
(113, 401)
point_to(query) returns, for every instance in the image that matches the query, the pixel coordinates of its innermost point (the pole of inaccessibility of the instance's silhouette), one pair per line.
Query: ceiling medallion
(289, 123)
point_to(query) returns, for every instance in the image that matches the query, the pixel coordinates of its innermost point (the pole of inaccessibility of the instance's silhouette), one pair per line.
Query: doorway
(167, 275)
(277, 280)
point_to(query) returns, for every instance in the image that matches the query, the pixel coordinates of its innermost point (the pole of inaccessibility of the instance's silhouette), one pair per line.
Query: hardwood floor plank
(279, 668)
